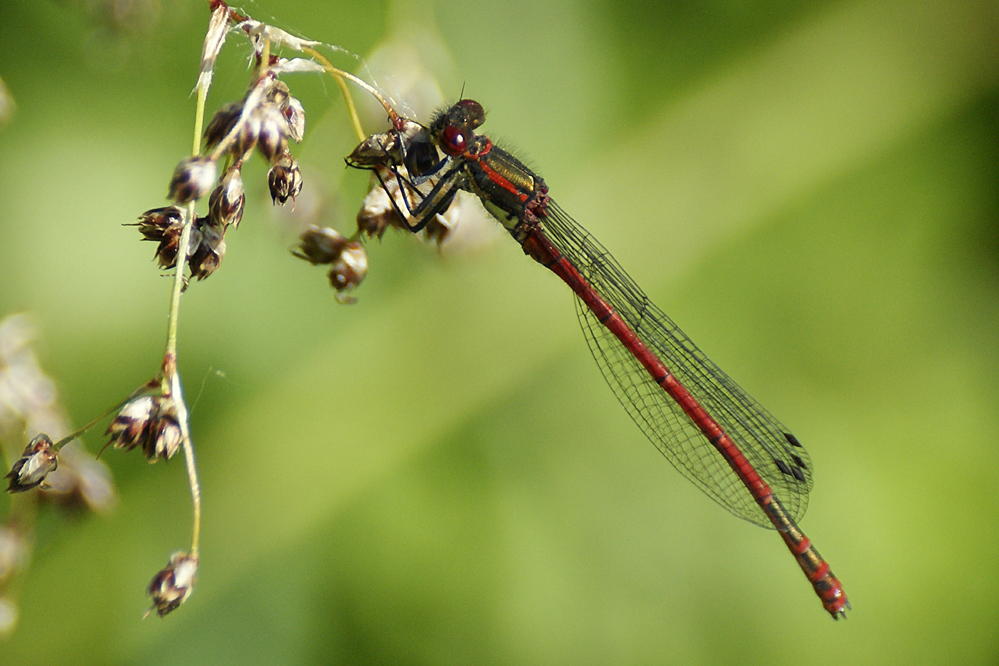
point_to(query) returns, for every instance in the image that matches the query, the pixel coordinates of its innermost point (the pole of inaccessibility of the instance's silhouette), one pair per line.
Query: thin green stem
(171, 376)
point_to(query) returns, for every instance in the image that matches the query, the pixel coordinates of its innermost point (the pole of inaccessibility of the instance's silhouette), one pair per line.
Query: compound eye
(472, 113)
(453, 141)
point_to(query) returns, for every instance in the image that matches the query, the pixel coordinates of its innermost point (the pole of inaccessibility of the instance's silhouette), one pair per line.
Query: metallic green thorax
(510, 191)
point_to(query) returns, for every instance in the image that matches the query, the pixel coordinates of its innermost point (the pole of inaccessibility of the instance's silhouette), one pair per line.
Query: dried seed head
(320, 245)
(273, 140)
(384, 203)
(350, 268)
(150, 422)
(222, 123)
(131, 427)
(192, 179)
(207, 256)
(294, 115)
(284, 179)
(37, 460)
(157, 223)
(225, 206)
(277, 92)
(377, 214)
(172, 585)
(163, 225)
(164, 432)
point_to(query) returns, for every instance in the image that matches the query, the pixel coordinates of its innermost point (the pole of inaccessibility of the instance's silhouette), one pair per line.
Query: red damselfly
(710, 429)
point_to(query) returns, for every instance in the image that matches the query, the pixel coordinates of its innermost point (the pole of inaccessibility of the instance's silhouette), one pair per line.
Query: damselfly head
(453, 129)
(466, 115)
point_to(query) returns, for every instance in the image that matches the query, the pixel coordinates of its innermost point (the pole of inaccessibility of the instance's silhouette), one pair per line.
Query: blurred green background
(438, 474)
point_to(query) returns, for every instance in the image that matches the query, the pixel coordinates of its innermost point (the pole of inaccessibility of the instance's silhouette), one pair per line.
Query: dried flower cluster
(348, 258)
(149, 422)
(154, 417)
(35, 463)
(264, 120)
(173, 584)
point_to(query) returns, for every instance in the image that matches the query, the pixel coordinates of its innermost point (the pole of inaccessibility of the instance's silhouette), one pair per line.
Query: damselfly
(710, 429)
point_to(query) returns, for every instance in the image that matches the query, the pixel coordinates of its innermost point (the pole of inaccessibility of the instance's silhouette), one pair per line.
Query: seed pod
(222, 123)
(158, 223)
(294, 115)
(225, 205)
(377, 212)
(163, 225)
(284, 179)
(277, 92)
(37, 460)
(164, 433)
(207, 256)
(172, 585)
(320, 245)
(273, 141)
(149, 422)
(192, 179)
(350, 268)
(130, 428)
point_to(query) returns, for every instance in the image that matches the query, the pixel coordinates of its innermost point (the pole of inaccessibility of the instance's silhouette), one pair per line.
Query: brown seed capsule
(150, 422)
(284, 179)
(163, 225)
(377, 214)
(157, 223)
(320, 245)
(273, 139)
(37, 460)
(192, 179)
(207, 256)
(350, 268)
(294, 115)
(131, 426)
(225, 205)
(172, 585)
(277, 92)
(384, 204)
(164, 434)
(222, 123)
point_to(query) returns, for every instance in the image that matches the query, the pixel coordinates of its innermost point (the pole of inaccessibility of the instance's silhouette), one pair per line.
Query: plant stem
(171, 376)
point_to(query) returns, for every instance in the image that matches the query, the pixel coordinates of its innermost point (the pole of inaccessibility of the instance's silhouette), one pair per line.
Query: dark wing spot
(782, 466)
(792, 440)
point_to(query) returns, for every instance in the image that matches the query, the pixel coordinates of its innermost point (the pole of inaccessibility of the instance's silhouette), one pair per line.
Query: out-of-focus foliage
(438, 474)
